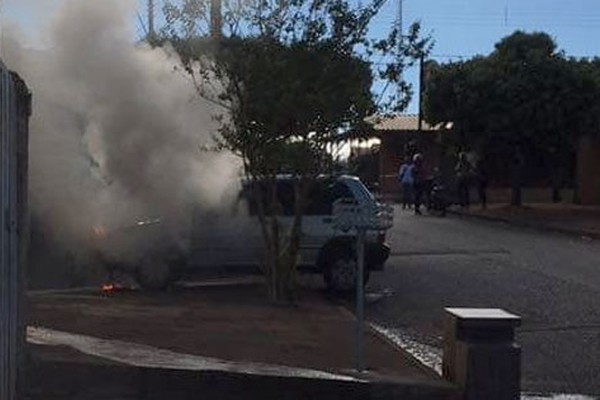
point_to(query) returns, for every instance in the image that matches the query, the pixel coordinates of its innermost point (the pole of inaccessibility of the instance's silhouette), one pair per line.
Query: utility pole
(151, 18)
(400, 47)
(400, 19)
(216, 19)
(421, 89)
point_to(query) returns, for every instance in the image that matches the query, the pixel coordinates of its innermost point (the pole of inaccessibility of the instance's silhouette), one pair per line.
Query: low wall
(393, 192)
(85, 379)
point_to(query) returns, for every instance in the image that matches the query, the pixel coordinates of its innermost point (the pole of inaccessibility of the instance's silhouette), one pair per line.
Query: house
(400, 138)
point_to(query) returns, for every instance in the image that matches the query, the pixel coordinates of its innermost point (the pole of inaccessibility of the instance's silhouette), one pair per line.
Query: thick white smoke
(117, 130)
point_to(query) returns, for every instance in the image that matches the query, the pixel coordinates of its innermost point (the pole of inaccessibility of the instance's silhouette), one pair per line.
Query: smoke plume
(117, 129)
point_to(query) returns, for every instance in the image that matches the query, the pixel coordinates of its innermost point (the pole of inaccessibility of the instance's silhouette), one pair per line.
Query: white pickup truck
(234, 240)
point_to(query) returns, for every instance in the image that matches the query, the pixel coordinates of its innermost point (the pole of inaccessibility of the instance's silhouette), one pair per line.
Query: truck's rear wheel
(154, 274)
(340, 271)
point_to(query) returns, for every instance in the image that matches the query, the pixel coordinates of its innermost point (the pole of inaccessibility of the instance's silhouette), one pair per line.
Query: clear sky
(460, 28)
(463, 28)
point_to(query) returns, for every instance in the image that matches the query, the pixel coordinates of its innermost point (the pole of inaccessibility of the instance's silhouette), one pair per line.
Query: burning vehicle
(223, 240)
(148, 249)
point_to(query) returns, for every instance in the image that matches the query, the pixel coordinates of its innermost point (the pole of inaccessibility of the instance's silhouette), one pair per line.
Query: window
(323, 194)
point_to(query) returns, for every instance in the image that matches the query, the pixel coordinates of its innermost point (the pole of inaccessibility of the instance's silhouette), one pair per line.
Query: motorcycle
(437, 200)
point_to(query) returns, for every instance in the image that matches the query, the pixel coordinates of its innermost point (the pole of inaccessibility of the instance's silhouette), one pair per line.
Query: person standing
(463, 175)
(418, 181)
(481, 175)
(406, 178)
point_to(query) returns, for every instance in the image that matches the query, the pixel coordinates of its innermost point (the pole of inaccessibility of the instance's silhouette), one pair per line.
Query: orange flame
(107, 288)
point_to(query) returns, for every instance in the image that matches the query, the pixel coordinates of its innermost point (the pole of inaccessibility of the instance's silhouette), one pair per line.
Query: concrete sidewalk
(576, 220)
(227, 334)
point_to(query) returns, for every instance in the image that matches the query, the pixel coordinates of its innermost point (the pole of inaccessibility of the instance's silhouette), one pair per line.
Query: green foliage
(525, 95)
(309, 94)
(290, 76)
(523, 92)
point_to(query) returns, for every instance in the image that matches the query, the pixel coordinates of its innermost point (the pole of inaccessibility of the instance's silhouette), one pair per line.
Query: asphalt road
(551, 280)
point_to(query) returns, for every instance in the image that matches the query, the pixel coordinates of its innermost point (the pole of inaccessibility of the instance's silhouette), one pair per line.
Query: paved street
(552, 281)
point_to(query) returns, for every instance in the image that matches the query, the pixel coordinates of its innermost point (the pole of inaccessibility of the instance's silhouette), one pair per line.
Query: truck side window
(250, 195)
(321, 196)
(286, 197)
(324, 194)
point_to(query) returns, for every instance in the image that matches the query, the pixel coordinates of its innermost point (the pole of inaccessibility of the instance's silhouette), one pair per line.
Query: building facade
(401, 138)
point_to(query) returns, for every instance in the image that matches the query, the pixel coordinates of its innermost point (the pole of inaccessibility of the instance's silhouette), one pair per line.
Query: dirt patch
(233, 323)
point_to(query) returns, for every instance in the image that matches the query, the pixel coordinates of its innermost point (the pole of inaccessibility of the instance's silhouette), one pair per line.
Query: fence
(14, 115)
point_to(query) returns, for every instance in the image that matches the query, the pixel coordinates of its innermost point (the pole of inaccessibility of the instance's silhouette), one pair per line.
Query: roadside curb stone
(582, 234)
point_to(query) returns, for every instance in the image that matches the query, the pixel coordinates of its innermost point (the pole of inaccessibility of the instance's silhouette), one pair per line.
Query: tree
(525, 96)
(290, 76)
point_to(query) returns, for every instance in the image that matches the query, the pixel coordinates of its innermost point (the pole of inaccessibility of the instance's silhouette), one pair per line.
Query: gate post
(480, 354)
(14, 113)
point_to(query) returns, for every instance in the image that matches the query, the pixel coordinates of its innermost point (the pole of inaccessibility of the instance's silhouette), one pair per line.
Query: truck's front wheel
(340, 271)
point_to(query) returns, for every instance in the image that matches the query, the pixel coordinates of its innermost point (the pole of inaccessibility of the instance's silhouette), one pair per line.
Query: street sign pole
(360, 299)
(348, 214)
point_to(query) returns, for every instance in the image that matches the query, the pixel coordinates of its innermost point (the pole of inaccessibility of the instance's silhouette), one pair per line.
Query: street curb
(410, 358)
(538, 227)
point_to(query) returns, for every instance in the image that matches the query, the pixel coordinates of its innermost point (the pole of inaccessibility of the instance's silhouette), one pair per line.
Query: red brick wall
(392, 154)
(390, 158)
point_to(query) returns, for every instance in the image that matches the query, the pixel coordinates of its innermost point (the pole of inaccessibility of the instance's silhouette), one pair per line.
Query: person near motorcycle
(437, 202)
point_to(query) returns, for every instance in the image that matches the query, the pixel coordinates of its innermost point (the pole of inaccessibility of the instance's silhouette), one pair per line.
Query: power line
(501, 22)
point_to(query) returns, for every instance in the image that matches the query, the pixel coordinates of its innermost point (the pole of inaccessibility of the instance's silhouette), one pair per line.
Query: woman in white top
(407, 181)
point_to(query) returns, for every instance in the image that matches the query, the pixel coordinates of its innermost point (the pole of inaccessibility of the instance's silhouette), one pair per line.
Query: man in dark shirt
(419, 181)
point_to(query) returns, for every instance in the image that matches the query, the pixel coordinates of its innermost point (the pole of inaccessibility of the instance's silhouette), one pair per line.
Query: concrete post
(360, 300)
(480, 354)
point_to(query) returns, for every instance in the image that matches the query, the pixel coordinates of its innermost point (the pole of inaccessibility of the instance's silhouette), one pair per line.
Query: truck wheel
(340, 271)
(154, 274)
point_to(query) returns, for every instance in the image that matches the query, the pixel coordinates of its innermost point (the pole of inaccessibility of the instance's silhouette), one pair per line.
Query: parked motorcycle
(437, 200)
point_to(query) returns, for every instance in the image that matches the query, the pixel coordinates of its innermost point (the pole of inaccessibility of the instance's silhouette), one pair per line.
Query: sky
(459, 28)
(463, 28)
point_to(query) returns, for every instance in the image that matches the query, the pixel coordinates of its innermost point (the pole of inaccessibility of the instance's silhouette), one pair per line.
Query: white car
(219, 240)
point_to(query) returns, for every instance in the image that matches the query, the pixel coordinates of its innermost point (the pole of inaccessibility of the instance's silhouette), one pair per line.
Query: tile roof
(404, 122)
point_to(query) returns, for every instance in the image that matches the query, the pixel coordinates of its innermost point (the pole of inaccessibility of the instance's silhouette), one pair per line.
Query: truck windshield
(362, 192)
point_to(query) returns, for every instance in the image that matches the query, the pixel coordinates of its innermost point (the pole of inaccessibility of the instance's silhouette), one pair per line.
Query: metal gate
(14, 114)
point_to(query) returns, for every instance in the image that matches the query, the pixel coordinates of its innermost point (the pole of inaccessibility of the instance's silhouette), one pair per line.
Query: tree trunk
(556, 195)
(576, 195)
(517, 178)
(516, 198)
(557, 183)
(282, 242)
